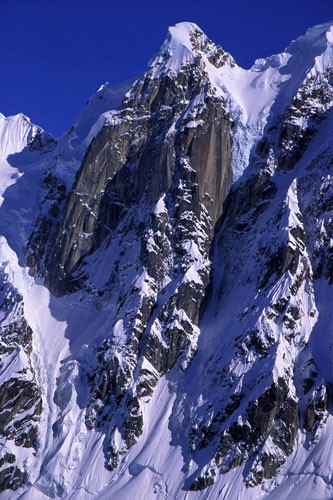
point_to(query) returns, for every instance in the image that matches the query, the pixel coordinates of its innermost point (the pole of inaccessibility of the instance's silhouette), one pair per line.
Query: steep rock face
(163, 123)
(278, 224)
(149, 193)
(255, 417)
(167, 348)
(20, 393)
(63, 163)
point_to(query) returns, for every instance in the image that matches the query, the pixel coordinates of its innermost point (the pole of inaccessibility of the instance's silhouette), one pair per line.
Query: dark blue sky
(56, 53)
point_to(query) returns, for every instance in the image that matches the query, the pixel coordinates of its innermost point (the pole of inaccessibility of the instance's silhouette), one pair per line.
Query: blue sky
(56, 53)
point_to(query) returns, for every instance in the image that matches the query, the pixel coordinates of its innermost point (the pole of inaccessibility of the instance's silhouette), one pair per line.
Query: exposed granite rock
(47, 223)
(281, 229)
(316, 411)
(120, 171)
(20, 395)
(11, 478)
(202, 483)
(151, 189)
(136, 233)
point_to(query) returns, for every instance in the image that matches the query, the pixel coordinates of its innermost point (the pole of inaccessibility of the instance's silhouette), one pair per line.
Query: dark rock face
(274, 231)
(139, 158)
(47, 224)
(18, 398)
(150, 190)
(182, 172)
(20, 394)
(135, 234)
(11, 478)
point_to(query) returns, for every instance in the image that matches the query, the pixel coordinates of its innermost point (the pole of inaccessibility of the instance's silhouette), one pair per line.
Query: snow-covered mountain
(166, 283)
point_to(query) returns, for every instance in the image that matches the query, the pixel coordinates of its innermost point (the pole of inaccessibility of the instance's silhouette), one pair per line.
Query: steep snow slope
(26, 155)
(15, 134)
(190, 369)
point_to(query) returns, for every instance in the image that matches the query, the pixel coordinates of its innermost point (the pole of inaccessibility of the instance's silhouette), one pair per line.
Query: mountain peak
(182, 33)
(313, 52)
(323, 32)
(185, 225)
(316, 41)
(15, 133)
(185, 43)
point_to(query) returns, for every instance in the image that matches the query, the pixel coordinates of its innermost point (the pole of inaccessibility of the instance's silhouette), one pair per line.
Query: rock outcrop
(154, 178)
(20, 393)
(182, 258)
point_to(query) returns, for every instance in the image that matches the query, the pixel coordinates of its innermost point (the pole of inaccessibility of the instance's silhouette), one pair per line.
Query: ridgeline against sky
(56, 54)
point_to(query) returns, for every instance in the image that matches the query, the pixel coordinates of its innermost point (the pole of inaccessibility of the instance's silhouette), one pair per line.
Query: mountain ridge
(169, 335)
